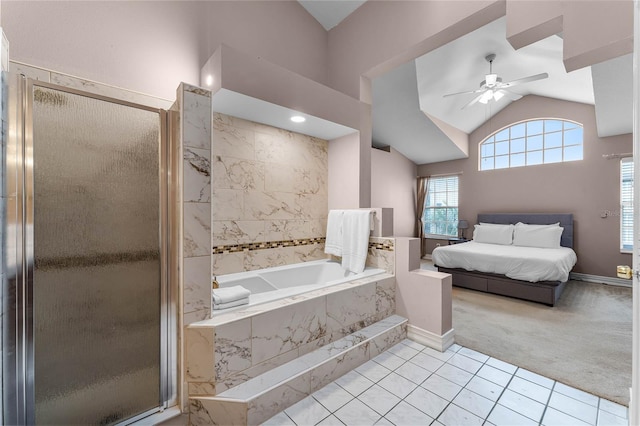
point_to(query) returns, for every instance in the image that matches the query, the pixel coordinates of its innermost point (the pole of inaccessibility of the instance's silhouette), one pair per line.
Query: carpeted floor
(584, 341)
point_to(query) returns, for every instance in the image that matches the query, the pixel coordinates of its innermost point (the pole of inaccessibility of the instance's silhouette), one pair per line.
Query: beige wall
(152, 46)
(269, 186)
(584, 188)
(344, 191)
(393, 184)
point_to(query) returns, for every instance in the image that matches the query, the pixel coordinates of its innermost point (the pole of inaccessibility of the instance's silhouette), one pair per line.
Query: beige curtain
(423, 187)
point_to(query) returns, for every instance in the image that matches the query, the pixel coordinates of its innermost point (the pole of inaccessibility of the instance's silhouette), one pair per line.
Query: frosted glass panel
(97, 259)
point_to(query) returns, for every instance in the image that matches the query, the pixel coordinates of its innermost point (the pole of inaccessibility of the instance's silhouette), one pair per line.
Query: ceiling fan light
(491, 79)
(486, 97)
(497, 95)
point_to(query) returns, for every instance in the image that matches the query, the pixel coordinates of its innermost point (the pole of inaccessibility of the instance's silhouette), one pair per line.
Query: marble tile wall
(223, 353)
(269, 186)
(196, 201)
(382, 254)
(66, 80)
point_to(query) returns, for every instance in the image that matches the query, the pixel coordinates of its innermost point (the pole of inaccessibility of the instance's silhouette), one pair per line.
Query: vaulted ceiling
(410, 112)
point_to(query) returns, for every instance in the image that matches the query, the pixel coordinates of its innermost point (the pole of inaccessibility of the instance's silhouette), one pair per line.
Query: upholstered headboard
(565, 219)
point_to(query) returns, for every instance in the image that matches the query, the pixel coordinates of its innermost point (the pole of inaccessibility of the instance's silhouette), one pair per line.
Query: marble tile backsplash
(269, 185)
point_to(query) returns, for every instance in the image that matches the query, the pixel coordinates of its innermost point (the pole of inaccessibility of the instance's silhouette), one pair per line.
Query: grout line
(544, 412)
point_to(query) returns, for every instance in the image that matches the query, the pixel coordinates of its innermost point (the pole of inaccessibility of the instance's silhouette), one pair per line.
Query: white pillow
(493, 234)
(543, 236)
(531, 226)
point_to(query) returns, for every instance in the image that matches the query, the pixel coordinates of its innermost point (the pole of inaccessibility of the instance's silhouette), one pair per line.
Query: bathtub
(284, 281)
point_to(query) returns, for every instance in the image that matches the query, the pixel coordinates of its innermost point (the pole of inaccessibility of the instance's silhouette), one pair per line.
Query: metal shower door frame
(18, 244)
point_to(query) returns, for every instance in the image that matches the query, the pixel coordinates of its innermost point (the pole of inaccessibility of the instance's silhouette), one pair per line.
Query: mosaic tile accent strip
(387, 245)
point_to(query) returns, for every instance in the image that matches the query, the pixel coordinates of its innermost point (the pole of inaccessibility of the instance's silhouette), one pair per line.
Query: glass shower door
(97, 257)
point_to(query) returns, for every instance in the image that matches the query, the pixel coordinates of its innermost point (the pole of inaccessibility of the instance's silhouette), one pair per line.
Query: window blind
(441, 207)
(626, 204)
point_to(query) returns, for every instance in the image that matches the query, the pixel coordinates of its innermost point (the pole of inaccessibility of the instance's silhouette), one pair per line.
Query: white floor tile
(467, 364)
(403, 351)
(456, 416)
(331, 421)
(373, 371)
(607, 419)
(474, 403)
(522, 405)
(535, 378)
(553, 417)
(530, 389)
(332, 396)
(354, 383)
(485, 388)
(501, 365)
(578, 409)
(381, 400)
(397, 385)
(280, 419)
(494, 375)
(307, 412)
(357, 413)
(454, 374)
(502, 416)
(414, 345)
(613, 408)
(454, 348)
(474, 354)
(389, 360)
(441, 387)
(405, 414)
(442, 356)
(384, 422)
(576, 394)
(426, 361)
(413, 372)
(427, 402)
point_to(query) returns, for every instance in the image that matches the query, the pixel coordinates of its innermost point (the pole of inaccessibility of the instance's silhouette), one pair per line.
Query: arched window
(539, 141)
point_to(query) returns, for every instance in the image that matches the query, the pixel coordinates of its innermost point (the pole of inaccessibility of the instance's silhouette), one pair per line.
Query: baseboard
(432, 340)
(600, 279)
(427, 257)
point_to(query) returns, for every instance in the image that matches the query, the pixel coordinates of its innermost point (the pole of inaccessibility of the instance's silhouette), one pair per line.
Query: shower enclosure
(85, 295)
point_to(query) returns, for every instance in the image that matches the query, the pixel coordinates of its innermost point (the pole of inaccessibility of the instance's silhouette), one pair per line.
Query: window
(527, 143)
(626, 204)
(440, 215)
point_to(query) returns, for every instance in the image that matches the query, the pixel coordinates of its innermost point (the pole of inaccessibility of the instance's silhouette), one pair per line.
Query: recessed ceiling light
(209, 80)
(298, 119)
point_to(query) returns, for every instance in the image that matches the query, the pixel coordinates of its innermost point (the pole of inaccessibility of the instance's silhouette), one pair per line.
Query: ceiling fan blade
(473, 101)
(511, 95)
(463, 93)
(524, 80)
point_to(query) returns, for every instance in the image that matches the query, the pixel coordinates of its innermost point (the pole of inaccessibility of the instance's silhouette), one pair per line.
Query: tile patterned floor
(411, 384)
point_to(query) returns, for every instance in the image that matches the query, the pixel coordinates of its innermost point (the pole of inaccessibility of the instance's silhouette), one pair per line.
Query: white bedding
(520, 263)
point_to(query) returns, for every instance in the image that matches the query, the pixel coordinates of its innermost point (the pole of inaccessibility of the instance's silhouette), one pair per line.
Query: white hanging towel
(333, 242)
(355, 239)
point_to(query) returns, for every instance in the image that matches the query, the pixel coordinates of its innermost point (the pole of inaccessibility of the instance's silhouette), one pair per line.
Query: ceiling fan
(492, 86)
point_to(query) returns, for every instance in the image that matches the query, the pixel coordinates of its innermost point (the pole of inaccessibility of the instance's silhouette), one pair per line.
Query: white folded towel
(229, 294)
(355, 247)
(218, 306)
(333, 242)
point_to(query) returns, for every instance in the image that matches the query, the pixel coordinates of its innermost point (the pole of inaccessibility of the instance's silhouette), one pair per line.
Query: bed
(537, 275)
